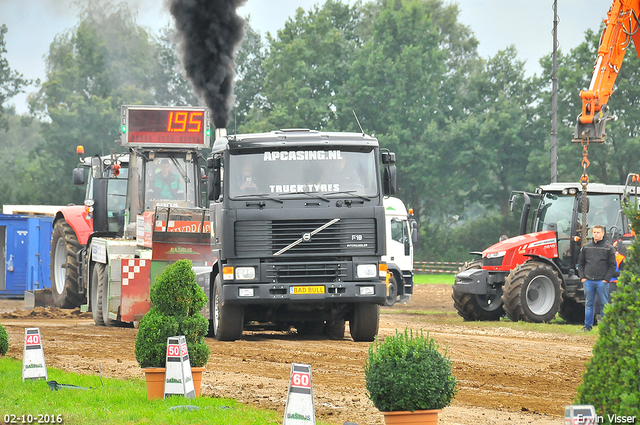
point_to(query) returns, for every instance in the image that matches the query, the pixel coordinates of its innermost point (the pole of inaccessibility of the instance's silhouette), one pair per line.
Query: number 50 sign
(302, 380)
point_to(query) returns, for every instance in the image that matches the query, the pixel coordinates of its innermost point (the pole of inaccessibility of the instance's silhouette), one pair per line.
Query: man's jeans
(591, 289)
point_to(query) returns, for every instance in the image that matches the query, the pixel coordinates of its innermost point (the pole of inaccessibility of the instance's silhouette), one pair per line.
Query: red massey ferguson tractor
(533, 276)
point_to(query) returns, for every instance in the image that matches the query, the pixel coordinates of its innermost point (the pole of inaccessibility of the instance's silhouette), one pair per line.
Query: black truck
(298, 230)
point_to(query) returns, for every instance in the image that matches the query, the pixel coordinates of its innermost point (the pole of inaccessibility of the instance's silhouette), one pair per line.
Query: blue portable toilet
(25, 244)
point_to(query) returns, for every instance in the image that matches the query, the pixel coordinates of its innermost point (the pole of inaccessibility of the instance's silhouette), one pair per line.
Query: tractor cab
(560, 209)
(161, 168)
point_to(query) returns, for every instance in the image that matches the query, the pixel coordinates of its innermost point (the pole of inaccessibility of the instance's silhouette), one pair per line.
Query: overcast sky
(528, 25)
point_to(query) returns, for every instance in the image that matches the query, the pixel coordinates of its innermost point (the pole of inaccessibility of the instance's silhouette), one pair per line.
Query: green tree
(402, 85)
(250, 76)
(16, 149)
(306, 66)
(497, 135)
(170, 85)
(92, 69)
(11, 82)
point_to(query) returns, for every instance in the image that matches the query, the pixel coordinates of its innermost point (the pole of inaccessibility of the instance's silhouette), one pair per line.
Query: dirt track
(505, 376)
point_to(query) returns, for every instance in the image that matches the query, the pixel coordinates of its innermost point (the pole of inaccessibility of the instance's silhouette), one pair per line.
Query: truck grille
(306, 273)
(349, 236)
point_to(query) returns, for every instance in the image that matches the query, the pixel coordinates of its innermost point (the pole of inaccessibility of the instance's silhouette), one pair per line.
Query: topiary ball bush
(4, 341)
(176, 292)
(408, 373)
(177, 301)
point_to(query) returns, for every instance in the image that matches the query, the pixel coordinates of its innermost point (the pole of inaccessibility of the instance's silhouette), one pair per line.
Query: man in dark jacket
(596, 267)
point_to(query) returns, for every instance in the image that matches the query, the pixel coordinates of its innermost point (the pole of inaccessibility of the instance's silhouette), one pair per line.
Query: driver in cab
(165, 183)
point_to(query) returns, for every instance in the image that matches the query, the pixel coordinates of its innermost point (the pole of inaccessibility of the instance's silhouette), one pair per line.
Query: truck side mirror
(78, 176)
(414, 232)
(214, 183)
(389, 180)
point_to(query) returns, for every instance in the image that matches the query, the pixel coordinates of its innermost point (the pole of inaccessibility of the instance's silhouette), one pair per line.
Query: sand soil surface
(506, 376)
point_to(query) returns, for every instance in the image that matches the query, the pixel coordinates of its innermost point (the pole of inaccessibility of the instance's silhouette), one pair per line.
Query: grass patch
(117, 402)
(434, 279)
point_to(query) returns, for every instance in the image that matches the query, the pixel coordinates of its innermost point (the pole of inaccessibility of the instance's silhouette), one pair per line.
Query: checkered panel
(131, 269)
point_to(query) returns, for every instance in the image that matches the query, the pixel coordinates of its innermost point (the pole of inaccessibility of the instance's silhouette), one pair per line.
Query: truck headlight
(367, 290)
(366, 271)
(245, 273)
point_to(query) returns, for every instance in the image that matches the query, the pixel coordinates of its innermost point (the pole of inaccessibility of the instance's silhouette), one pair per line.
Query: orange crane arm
(621, 27)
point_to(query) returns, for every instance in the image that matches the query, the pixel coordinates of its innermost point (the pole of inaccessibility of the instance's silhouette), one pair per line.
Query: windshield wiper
(350, 192)
(312, 194)
(258, 195)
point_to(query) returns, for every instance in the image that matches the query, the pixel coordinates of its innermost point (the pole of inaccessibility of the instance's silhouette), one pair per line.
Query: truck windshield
(276, 173)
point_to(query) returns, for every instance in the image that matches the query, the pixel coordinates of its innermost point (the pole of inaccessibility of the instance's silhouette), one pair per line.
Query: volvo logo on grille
(306, 237)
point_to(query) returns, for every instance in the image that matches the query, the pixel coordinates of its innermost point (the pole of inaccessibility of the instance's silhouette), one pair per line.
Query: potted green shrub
(406, 376)
(176, 301)
(4, 341)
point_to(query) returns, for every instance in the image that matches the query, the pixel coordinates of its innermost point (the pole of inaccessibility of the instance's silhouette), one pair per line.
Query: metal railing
(437, 266)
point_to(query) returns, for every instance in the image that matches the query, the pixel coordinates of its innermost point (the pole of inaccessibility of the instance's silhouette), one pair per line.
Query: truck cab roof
(281, 139)
(591, 187)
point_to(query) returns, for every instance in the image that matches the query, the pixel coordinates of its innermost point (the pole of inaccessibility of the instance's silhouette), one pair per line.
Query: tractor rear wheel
(475, 307)
(572, 311)
(65, 250)
(363, 326)
(532, 293)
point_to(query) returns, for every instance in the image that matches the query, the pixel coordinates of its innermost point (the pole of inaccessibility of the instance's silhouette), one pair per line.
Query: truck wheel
(363, 326)
(227, 319)
(572, 311)
(392, 292)
(532, 293)
(95, 293)
(64, 267)
(475, 307)
(105, 299)
(335, 328)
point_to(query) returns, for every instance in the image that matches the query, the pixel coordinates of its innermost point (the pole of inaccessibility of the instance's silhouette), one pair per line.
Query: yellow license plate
(303, 290)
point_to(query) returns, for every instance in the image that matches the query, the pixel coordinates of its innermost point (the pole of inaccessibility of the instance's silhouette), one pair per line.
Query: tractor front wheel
(476, 307)
(532, 293)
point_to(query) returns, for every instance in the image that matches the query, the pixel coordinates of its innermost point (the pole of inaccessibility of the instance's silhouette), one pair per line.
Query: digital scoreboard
(165, 127)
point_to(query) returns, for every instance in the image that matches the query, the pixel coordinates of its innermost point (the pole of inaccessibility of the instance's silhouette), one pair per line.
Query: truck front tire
(228, 320)
(65, 249)
(392, 292)
(363, 325)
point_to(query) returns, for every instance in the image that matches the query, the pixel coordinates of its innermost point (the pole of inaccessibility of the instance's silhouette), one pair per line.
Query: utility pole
(554, 97)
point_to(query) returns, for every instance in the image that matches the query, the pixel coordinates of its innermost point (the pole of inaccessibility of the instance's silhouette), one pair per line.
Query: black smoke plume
(209, 33)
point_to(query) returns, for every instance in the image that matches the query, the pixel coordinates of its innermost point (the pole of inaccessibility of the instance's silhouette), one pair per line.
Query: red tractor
(533, 276)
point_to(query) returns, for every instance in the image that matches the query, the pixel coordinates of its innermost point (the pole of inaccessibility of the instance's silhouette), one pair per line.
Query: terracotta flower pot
(419, 417)
(155, 381)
